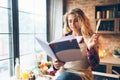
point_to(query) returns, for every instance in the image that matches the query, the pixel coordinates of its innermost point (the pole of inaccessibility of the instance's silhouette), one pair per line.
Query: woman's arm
(93, 57)
(92, 51)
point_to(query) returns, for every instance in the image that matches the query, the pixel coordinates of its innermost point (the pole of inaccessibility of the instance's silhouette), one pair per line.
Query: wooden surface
(45, 77)
(110, 61)
(106, 75)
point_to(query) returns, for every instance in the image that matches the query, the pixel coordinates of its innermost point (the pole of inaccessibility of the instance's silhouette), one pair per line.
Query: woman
(77, 24)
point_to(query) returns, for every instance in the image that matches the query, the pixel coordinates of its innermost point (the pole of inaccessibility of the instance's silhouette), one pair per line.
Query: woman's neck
(76, 34)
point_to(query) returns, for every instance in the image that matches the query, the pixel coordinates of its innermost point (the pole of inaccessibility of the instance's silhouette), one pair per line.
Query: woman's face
(73, 22)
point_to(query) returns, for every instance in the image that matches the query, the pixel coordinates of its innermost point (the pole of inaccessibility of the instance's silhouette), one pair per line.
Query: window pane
(30, 49)
(4, 3)
(32, 22)
(33, 6)
(5, 50)
(4, 46)
(4, 70)
(26, 44)
(38, 49)
(40, 24)
(40, 7)
(27, 51)
(26, 5)
(26, 23)
(3, 20)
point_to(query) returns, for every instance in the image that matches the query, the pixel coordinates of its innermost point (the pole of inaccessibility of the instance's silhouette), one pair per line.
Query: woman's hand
(57, 64)
(93, 41)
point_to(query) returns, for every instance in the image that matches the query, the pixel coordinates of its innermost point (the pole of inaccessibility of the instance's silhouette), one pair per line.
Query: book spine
(98, 14)
(103, 14)
(107, 14)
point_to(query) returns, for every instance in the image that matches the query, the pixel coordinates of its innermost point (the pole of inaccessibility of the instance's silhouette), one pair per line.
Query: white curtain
(55, 19)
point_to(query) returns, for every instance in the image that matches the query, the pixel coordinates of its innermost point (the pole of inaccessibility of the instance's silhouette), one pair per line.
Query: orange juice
(25, 75)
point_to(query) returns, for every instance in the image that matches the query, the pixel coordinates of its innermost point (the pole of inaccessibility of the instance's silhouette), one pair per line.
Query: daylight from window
(31, 23)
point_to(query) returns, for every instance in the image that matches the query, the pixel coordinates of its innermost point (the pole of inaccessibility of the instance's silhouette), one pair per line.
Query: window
(21, 31)
(32, 22)
(6, 44)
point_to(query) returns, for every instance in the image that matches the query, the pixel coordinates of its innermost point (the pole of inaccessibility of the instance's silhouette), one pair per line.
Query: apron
(80, 67)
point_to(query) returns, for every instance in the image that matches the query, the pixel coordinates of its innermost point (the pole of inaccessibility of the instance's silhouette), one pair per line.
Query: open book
(64, 49)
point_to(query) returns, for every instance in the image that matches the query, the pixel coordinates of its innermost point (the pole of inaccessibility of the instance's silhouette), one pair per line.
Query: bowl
(116, 56)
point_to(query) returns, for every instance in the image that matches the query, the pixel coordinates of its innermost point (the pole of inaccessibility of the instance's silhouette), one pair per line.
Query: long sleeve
(93, 57)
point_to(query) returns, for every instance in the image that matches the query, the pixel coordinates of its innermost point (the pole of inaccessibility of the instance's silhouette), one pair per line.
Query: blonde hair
(85, 30)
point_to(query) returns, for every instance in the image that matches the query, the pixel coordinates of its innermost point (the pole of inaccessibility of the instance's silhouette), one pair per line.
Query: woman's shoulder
(67, 34)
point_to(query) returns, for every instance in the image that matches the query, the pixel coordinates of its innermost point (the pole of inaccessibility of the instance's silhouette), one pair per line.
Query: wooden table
(110, 61)
(45, 77)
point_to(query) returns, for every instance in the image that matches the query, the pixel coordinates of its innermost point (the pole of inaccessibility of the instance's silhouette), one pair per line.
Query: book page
(70, 55)
(64, 49)
(67, 49)
(46, 48)
(65, 38)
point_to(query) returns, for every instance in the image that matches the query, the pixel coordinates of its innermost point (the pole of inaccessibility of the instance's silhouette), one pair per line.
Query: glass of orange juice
(25, 75)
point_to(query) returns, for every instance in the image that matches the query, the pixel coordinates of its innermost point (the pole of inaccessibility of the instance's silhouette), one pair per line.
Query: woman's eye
(76, 20)
(70, 21)
(73, 21)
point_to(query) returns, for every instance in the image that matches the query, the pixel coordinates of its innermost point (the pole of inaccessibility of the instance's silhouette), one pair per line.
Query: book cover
(64, 49)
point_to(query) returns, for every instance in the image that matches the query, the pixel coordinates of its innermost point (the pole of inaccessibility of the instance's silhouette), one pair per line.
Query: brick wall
(107, 42)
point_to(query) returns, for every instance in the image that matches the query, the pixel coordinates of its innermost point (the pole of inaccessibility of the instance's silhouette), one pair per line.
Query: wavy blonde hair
(85, 30)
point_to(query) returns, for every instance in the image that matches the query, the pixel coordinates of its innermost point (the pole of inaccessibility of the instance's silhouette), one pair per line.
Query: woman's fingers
(95, 36)
(57, 64)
